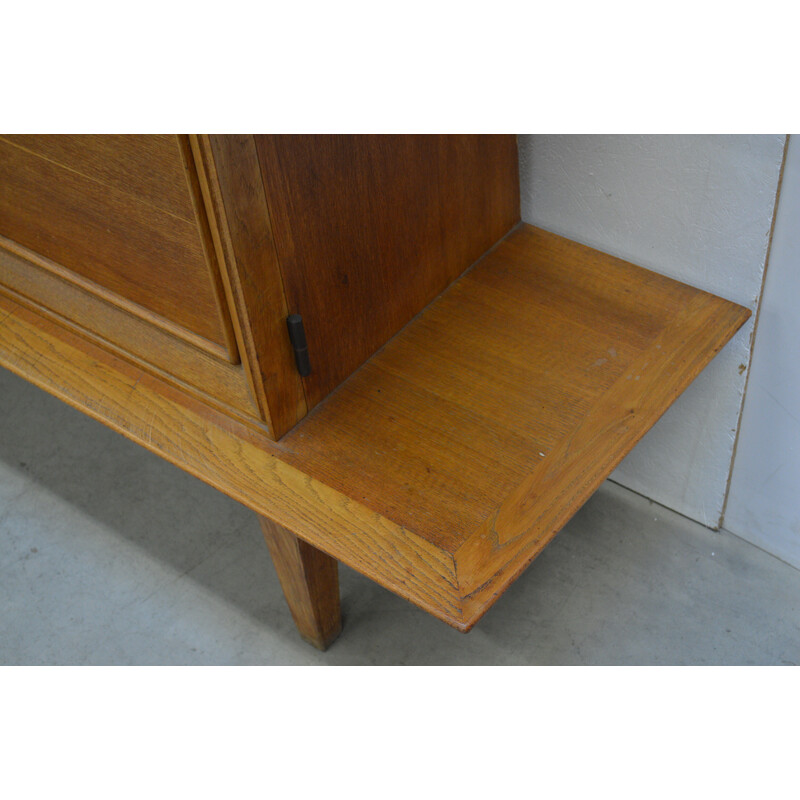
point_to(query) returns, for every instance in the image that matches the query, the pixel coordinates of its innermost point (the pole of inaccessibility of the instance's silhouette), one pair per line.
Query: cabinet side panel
(369, 229)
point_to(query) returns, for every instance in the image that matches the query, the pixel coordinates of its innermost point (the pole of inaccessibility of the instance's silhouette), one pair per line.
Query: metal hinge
(297, 336)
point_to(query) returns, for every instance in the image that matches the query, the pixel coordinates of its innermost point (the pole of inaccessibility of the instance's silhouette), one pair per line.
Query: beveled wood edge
(201, 218)
(233, 190)
(220, 236)
(219, 452)
(495, 555)
(134, 309)
(217, 381)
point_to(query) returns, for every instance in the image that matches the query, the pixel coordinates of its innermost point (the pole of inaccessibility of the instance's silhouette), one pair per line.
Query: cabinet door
(116, 215)
(109, 235)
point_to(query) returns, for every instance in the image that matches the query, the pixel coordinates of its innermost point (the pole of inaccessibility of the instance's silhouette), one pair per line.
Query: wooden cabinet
(188, 252)
(453, 419)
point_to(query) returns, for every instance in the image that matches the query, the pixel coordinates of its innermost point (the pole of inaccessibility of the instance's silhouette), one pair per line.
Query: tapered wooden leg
(310, 582)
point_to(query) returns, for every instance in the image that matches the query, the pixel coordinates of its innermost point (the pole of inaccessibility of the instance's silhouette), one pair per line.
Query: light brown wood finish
(230, 178)
(226, 455)
(443, 466)
(176, 232)
(149, 172)
(36, 264)
(152, 259)
(105, 322)
(456, 410)
(203, 225)
(310, 583)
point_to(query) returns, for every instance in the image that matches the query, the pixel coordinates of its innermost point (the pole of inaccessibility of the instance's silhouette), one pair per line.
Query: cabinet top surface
(542, 355)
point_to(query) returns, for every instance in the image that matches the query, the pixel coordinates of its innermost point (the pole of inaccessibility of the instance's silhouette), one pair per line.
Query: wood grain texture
(12, 251)
(310, 583)
(228, 456)
(148, 167)
(489, 420)
(203, 225)
(459, 407)
(230, 178)
(105, 235)
(531, 515)
(369, 229)
(211, 377)
(444, 465)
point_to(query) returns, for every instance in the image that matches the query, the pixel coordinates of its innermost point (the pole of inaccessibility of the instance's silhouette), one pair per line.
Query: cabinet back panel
(133, 236)
(369, 229)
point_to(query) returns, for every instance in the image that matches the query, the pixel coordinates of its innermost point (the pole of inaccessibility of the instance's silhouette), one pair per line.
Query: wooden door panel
(134, 237)
(150, 168)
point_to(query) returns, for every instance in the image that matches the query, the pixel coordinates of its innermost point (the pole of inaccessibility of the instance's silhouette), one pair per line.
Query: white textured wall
(696, 208)
(764, 498)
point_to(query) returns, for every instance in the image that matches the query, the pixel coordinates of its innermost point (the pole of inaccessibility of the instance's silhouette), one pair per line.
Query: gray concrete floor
(109, 555)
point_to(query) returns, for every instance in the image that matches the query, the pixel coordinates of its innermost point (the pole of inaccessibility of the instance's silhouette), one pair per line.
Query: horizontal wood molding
(41, 263)
(210, 377)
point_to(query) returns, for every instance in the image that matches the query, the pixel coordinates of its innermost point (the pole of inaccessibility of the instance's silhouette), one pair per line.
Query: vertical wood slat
(201, 218)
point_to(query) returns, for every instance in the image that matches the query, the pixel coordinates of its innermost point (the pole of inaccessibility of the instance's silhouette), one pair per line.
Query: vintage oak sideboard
(354, 336)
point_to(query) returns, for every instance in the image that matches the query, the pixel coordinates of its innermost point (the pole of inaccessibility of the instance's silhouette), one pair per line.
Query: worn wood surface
(230, 178)
(103, 321)
(310, 582)
(226, 455)
(444, 465)
(150, 258)
(369, 229)
(454, 413)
